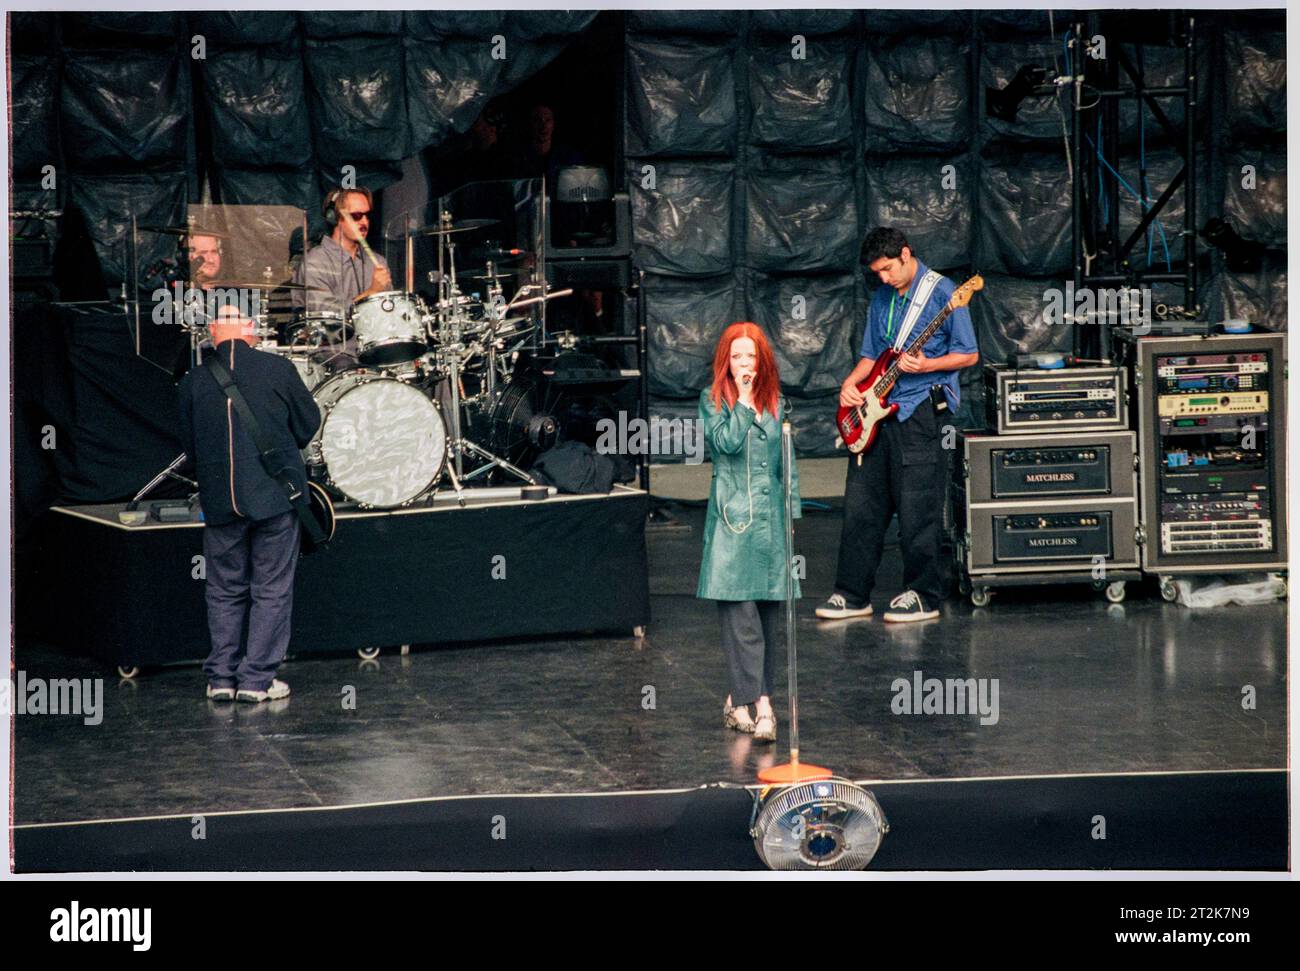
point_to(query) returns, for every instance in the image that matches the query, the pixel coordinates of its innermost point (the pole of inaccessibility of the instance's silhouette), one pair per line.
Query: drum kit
(417, 374)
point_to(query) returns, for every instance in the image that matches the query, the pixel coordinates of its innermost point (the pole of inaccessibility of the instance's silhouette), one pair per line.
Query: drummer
(341, 271)
(340, 268)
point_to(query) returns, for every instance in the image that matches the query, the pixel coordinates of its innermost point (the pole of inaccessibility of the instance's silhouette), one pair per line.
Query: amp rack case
(1047, 509)
(1211, 425)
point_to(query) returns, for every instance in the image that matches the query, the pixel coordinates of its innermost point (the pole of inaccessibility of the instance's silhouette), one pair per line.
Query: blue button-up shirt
(956, 336)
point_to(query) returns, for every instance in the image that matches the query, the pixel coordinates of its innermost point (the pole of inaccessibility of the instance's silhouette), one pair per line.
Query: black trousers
(750, 630)
(250, 566)
(903, 472)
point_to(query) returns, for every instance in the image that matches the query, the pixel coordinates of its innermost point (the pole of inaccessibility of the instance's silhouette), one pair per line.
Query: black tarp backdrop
(768, 169)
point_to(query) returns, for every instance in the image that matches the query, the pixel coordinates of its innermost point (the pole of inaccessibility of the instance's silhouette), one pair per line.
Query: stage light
(1241, 255)
(582, 183)
(1003, 104)
(824, 824)
(584, 207)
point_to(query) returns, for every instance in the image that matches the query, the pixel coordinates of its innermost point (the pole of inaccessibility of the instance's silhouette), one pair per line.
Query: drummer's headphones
(329, 208)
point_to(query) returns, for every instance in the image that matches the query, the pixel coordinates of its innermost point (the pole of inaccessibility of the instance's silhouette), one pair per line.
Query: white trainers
(220, 694)
(277, 691)
(908, 606)
(837, 608)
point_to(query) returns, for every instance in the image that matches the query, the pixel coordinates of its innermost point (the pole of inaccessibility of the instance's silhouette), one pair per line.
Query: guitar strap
(924, 290)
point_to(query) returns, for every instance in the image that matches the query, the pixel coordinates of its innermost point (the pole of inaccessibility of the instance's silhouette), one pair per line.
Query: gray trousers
(749, 643)
(250, 566)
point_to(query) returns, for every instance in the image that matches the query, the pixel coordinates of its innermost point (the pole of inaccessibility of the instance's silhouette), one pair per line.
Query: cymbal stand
(452, 325)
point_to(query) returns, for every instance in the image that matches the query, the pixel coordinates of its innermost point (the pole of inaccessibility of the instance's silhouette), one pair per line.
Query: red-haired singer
(744, 532)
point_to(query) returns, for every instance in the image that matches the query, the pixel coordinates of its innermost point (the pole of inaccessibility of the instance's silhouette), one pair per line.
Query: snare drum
(389, 328)
(381, 443)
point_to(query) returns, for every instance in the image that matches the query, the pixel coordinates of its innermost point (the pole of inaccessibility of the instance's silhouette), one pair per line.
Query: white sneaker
(837, 608)
(277, 691)
(908, 606)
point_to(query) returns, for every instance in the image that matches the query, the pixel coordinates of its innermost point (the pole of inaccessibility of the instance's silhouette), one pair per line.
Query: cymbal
(476, 273)
(464, 226)
(184, 231)
(262, 285)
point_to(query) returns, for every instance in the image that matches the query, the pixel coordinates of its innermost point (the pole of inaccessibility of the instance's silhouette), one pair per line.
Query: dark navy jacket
(232, 480)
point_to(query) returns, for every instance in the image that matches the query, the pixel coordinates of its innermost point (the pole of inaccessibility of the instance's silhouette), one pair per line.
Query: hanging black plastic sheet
(811, 322)
(1254, 198)
(917, 94)
(124, 30)
(1024, 215)
(801, 104)
(32, 106)
(257, 187)
(808, 23)
(685, 318)
(258, 106)
(686, 21)
(681, 98)
(928, 197)
(1255, 72)
(124, 108)
(911, 22)
(157, 198)
(244, 27)
(447, 84)
(682, 226)
(357, 96)
(802, 214)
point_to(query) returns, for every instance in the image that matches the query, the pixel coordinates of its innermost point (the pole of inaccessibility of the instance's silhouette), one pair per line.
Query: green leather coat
(744, 550)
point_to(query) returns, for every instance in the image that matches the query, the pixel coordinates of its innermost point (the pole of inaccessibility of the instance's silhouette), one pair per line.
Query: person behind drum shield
(344, 269)
(250, 533)
(744, 564)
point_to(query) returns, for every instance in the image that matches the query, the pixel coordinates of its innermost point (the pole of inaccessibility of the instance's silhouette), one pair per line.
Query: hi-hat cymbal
(446, 229)
(184, 231)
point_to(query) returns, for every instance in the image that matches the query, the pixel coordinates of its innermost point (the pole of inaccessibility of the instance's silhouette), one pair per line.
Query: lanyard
(889, 324)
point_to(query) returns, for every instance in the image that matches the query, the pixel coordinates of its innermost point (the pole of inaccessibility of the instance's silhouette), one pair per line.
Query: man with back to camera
(903, 470)
(251, 531)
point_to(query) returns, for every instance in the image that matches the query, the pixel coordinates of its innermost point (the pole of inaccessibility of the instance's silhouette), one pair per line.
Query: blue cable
(1101, 186)
(1125, 185)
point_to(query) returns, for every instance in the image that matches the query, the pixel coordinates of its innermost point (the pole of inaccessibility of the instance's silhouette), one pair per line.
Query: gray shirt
(329, 265)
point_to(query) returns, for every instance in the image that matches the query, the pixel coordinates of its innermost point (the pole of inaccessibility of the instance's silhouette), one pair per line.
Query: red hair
(767, 381)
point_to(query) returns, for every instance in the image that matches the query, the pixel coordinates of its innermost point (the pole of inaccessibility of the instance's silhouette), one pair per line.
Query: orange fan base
(791, 772)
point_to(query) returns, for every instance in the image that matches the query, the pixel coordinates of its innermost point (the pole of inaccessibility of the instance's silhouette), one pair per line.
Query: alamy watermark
(183, 305)
(1125, 307)
(948, 696)
(658, 436)
(57, 696)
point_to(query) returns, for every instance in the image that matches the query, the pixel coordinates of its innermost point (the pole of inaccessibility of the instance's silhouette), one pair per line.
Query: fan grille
(828, 824)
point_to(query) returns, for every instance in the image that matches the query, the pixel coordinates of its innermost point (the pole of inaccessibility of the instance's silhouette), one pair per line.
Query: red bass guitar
(859, 426)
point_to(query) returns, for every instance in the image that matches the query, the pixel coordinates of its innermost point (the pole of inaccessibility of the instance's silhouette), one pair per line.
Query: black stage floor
(1083, 687)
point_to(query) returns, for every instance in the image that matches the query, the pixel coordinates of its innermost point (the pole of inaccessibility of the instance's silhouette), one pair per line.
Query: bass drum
(382, 443)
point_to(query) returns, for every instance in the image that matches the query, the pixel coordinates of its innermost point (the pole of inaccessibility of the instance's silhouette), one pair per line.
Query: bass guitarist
(902, 470)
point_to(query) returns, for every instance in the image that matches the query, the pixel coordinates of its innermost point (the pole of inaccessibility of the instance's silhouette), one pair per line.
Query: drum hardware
(132, 516)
